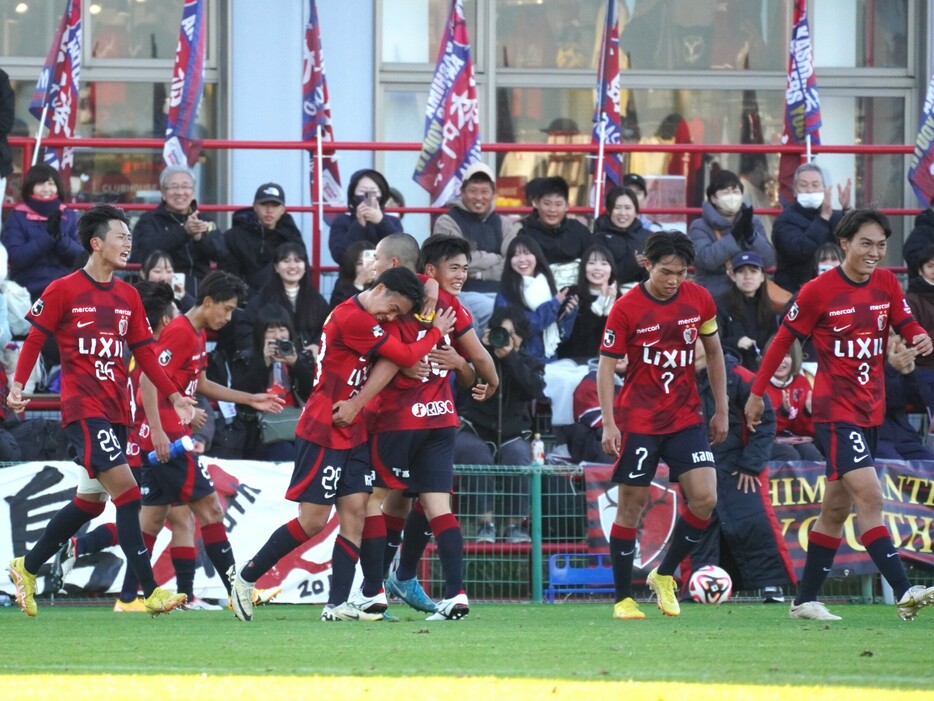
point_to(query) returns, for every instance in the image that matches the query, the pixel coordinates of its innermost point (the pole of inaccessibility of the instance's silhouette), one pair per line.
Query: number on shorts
(109, 443)
(859, 445)
(330, 477)
(643, 453)
(668, 377)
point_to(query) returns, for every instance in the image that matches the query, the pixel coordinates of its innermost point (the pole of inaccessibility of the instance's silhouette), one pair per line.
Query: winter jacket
(742, 450)
(583, 341)
(736, 323)
(562, 244)
(539, 319)
(522, 379)
(623, 244)
(162, 230)
(346, 230)
(489, 235)
(797, 234)
(251, 247)
(716, 246)
(7, 117)
(921, 236)
(36, 257)
(920, 297)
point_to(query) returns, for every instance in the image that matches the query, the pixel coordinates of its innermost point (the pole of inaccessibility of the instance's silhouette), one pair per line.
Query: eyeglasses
(179, 188)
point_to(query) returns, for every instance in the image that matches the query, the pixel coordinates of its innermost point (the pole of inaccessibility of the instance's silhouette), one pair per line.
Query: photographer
(279, 367)
(497, 431)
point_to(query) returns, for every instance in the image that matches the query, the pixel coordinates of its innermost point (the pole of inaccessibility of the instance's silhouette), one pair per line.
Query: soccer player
(94, 317)
(658, 412)
(847, 311)
(414, 423)
(332, 462)
(183, 356)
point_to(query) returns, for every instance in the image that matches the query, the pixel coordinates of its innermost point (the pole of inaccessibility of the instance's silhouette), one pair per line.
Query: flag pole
(319, 168)
(35, 153)
(807, 143)
(599, 172)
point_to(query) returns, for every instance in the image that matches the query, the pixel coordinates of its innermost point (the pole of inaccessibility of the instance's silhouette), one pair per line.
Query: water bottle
(176, 448)
(538, 450)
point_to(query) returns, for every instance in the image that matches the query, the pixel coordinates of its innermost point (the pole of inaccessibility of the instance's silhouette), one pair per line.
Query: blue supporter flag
(55, 100)
(802, 103)
(921, 164)
(182, 144)
(452, 124)
(606, 110)
(316, 113)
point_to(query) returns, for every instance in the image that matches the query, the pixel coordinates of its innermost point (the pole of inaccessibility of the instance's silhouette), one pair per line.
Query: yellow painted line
(223, 688)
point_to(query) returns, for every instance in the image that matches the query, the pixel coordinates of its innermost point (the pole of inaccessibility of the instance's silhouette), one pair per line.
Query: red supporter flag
(316, 112)
(182, 144)
(802, 103)
(452, 123)
(55, 100)
(606, 119)
(921, 165)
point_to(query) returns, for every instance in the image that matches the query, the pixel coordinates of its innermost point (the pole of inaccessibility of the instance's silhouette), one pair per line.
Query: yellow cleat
(264, 596)
(163, 601)
(627, 610)
(135, 606)
(665, 592)
(25, 583)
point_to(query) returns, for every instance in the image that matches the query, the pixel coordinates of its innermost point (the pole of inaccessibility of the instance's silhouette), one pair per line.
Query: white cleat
(451, 609)
(348, 612)
(812, 611)
(916, 598)
(241, 595)
(370, 604)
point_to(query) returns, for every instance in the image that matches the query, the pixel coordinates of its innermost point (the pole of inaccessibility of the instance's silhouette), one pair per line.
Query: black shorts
(418, 462)
(846, 447)
(99, 444)
(640, 453)
(322, 475)
(178, 481)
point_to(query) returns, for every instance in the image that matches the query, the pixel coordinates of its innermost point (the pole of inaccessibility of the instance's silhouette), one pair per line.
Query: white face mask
(729, 203)
(810, 200)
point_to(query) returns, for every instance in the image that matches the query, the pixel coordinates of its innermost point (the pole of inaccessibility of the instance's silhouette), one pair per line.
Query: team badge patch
(793, 312)
(164, 357)
(882, 320)
(37, 308)
(609, 337)
(121, 327)
(378, 331)
(690, 335)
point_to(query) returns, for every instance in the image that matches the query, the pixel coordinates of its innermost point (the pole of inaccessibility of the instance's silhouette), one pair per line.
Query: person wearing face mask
(40, 234)
(365, 219)
(804, 225)
(726, 228)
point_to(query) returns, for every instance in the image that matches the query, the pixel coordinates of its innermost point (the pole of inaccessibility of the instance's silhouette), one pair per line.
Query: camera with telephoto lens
(499, 337)
(284, 347)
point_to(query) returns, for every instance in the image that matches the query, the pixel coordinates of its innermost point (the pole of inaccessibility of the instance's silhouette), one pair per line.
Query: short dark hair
(404, 282)
(555, 185)
(95, 223)
(41, 173)
(615, 193)
(662, 244)
(520, 321)
(270, 316)
(152, 260)
(438, 248)
(221, 286)
(853, 220)
(721, 181)
(157, 298)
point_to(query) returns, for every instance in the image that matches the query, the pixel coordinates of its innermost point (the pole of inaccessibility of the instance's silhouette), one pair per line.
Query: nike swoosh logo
(143, 552)
(892, 555)
(352, 614)
(225, 550)
(82, 324)
(861, 457)
(628, 553)
(691, 540)
(652, 343)
(330, 495)
(114, 456)
(838, 329)
(826, 569)
(634, 475)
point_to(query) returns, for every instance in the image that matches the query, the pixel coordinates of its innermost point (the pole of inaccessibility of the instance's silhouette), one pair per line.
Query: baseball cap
(747, 258)
(481, 169)
(635, 179)
(269, 192)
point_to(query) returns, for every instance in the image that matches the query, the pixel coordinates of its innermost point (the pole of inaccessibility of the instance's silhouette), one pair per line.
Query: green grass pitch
(731, 644)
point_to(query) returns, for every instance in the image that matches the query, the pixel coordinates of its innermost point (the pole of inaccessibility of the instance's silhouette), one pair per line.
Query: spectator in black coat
(366, 219)
(921, 236)
(804, 225)
(744, 313)
(898, 439)
(596, 291)
(620, 229)
(177, 228)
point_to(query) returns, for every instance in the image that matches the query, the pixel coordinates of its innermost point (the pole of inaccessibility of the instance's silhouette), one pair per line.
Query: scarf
(535, 292)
